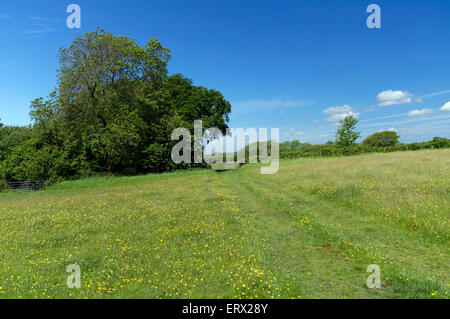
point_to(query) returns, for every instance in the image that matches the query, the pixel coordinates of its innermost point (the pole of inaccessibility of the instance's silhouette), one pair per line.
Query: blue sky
(296, 65)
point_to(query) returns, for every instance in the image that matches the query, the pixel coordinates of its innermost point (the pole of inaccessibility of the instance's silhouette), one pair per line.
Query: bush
(31, 161)
(328, 150)
(382, 139)
(10, 137)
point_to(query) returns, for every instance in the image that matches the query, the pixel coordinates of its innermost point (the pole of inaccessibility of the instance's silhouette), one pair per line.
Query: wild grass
(309, 231)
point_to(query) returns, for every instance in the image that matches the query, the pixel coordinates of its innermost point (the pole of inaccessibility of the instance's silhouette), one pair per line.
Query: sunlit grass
(309, 231)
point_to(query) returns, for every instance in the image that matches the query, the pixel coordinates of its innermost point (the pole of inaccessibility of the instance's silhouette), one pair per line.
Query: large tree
(113, 111)
(111, 92)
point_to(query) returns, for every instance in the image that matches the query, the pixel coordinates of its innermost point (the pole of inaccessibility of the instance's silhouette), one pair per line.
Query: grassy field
(309, 231)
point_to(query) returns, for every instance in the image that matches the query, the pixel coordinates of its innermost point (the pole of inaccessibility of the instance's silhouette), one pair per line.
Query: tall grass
(309, 231)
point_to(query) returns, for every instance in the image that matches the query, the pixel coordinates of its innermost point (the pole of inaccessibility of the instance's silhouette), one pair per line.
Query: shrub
(382, 139)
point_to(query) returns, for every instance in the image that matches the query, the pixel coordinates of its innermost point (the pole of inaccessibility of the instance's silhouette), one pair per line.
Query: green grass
(309, 231)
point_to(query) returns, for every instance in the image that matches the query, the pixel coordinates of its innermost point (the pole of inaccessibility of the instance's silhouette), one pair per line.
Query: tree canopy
(346, 134)
(382, 139)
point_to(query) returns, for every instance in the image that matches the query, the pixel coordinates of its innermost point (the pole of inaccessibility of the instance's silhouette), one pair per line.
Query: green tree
(440, 142)
(114, 110)
(10, 137)
(32, 160)
(346, 134)
(195, 102)
(296, 145)
(110, 93)
(382, 139)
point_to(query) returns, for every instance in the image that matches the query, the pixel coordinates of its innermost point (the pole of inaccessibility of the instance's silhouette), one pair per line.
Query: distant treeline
(330, 149)
(345, 143)
(381, 142)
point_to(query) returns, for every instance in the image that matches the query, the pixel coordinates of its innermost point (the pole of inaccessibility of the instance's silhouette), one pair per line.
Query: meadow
(309, 231)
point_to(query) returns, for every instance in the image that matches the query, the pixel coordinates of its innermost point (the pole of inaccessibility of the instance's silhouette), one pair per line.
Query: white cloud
(434, 94)
(414, 119)
(445, 107)
(390, 97)
(293, 132)
(37, 18)
(420, 112)
(338, 109)
(392, 129)
(31, 25)
(341, 116)
(338, 113)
